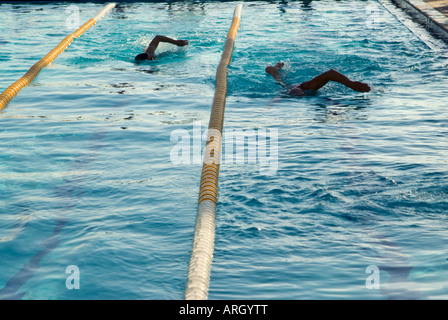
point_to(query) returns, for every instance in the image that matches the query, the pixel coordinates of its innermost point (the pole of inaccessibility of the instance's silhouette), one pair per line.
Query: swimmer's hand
(359, 86)
(182, 43)
(274, 69)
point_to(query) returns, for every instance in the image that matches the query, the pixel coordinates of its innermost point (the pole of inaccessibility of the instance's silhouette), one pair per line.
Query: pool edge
(429, 17)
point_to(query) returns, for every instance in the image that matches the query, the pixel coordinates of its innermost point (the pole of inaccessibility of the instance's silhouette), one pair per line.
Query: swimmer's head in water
(144, 56)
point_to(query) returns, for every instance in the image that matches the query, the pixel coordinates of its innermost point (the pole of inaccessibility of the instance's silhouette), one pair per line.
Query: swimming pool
(87, 179)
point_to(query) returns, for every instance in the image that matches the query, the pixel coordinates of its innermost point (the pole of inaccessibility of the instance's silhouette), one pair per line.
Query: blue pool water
(86, 176)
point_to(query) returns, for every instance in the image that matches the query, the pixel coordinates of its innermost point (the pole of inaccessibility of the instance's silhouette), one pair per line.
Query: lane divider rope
(204, 235)
(14, 89)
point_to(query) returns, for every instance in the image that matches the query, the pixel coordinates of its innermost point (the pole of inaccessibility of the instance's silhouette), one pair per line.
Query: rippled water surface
(86, 176)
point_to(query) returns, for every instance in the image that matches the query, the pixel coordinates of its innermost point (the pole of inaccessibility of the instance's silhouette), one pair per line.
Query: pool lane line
(14, 89)
(204, 234)
(70, 193)
(391, 258)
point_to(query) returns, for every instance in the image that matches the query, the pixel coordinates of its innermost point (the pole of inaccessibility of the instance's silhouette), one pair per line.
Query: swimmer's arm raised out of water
(149, 53)
(332, 75)
(317, 82)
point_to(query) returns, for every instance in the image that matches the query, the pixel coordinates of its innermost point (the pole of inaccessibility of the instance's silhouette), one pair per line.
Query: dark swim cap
(142, 56)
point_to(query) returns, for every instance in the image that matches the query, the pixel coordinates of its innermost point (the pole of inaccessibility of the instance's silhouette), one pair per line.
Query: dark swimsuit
(297, 90)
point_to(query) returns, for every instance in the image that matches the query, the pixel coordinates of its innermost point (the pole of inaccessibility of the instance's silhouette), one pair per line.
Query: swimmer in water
(311, 86)
(149, 53)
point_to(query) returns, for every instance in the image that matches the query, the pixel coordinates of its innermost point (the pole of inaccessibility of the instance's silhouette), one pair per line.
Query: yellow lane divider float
(204, 235)
(13, 89)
